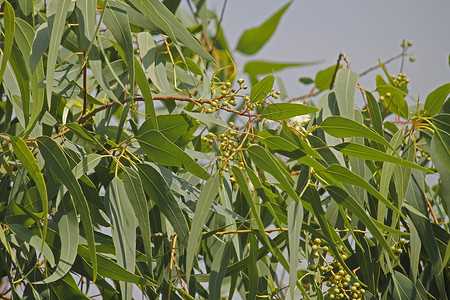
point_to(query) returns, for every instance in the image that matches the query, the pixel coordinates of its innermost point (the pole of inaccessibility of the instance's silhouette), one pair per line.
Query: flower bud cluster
(334, 274)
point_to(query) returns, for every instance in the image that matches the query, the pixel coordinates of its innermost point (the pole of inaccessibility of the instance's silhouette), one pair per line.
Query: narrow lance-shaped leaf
(120, 212)
(218, 268)
(162, 17)
(34, 241)
(283, 111)
(295, 218)
(29, 162)
(116, 19)
(343, 198)
(158, 148)
(342, 127)
(364, 152)
(202, 209)
(9, 36)
(253, 39)
(56, 31)
(57, 161)
(135, 193)
(346, 176)
(68, 234)
(158, 190)
(142, 82)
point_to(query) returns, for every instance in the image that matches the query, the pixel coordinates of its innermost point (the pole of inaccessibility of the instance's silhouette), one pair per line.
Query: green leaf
(34, 241)
(253, 39)
(436, 98)
(324, 77)
(214, 124)
(110, 269)
(56, 29)
(306, 80)
(68, 234)
(158, 148)
(265, 161)
(343, 198)
(295, 218)
(116, 19)
(344, 175)
(27, 159)
(8, 36)
(407, 289)
(368, 153)
(252, 267)
(441, 139)
(136, 196)
(161, 17)
(158, 190)
(345, 92)
(283, 111)
(88, 162)
(262, 89)
(142, 82)
(122, 218)
(374, 113)
(256, 67)
(171, 126)
(342, 127)
(202, 209)
(54, 157)
(218, 268)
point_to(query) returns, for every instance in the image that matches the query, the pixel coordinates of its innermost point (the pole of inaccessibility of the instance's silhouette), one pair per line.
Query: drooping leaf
(283, 111)
(345, 92)
(342, 127)
(120, 212)
(265, 161)
(116, 19)
(56, 29)
(34, 241)
(364, 152)
(343, 198)
(142, 82)
(374, 113)
(161, 16)
(8, 36)
(218, 268)
(252, 40)
(344, 175)
(158, 190)
(160, 149)
(135, 193)
(24, 154)
(207, 196)
(295, 218)
(57, 161)
(68, 234)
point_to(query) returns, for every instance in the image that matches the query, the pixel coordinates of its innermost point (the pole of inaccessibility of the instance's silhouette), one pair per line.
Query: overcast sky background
(365, 30)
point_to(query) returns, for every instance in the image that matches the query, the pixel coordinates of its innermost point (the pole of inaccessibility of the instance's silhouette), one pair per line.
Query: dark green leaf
(324, 77)
(57, 161)
(8, 36)
(218, 268)
(262, 89)
(202, 209)
(158, 148)
(342, 127)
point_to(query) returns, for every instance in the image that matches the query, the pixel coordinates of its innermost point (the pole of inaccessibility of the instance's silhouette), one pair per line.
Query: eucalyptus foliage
(135, 163)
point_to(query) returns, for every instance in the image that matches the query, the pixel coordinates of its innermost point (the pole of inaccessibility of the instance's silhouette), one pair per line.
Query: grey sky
(365, 30)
